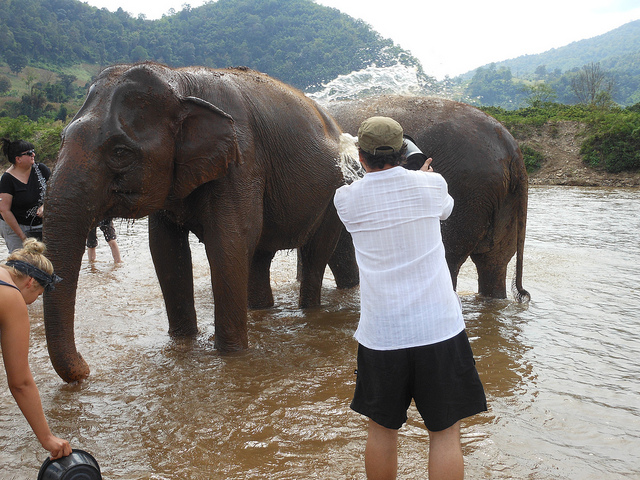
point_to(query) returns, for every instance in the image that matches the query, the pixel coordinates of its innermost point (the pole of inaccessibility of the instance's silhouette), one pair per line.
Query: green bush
(613, 135)
(615, 152)
(532, 158)
(16, 128)
(614, 143)
(44, 134)
(5, 84)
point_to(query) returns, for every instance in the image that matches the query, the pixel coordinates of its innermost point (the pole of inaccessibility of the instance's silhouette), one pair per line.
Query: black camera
(415, 158)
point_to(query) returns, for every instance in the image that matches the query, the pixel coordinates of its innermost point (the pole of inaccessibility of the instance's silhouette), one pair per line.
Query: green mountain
(509, 84)
(297, 41)
(50, 49)
(610, 49)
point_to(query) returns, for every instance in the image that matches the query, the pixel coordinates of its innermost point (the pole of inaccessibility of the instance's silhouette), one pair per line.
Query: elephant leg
(229, 280)
(260, 294)
(171, 256)
(343, 263)
(492, 262)
(492, 273)
(314, 256)
(456, 255)
(460, 241)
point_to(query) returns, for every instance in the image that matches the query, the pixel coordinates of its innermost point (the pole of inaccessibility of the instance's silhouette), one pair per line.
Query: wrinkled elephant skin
(485, 171)
(246, 163)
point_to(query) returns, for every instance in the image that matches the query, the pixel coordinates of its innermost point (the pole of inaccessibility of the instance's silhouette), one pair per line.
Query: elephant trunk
(66, 224)
(59, 309)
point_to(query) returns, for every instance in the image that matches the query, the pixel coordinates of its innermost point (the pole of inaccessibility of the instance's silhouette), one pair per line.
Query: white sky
(451, 37)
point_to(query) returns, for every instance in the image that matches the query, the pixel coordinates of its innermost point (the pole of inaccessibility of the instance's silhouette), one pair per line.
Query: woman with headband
(23, 277)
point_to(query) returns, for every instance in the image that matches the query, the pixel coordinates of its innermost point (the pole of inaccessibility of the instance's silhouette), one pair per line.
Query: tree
(5, 85)
(55, 92)
(539, 94)
(67, 81)
(16, 62)
(62, 113)
(139, 54)
(592, 85)
(494, 86)
(541, 71)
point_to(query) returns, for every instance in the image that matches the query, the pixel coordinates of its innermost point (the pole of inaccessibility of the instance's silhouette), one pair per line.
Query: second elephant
(487, 178)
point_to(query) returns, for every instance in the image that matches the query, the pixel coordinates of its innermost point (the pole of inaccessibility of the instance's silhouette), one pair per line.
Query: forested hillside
(297, 41)
(50, 49)
(610, 49)
(553, 74)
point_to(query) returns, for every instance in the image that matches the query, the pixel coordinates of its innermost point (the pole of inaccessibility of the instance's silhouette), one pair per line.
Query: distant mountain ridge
(609, 49)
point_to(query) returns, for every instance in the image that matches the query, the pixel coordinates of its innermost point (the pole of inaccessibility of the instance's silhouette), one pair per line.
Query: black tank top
(2, 282)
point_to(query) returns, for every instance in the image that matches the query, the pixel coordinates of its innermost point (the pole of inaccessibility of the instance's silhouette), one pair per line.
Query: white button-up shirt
(406, 294)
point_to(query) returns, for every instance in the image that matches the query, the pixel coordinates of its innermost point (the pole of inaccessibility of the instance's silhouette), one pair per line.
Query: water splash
(371, 81)
(349, 164)
(398, 80)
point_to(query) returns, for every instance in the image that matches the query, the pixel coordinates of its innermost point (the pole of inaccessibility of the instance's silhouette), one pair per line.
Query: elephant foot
(499, 295)
(258, 302)
(309, 301)
(229, 348)
(346, 285)
(183, 331)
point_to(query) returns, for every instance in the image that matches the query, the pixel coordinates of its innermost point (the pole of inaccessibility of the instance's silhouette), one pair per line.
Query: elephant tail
(522, 187)
(348, 161)
(520, 294)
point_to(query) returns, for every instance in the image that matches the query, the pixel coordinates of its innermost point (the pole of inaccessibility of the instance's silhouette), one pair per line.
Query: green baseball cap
(380, 136)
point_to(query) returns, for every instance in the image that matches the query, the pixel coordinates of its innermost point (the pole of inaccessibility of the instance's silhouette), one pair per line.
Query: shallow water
(561, 373)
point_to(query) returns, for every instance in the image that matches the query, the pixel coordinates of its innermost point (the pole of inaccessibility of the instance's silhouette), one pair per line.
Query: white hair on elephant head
(349, 159)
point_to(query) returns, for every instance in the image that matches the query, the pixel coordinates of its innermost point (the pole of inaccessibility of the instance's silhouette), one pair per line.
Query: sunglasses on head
(28, 152)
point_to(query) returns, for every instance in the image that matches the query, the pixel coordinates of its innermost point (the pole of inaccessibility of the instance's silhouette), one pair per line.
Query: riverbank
(562, 165)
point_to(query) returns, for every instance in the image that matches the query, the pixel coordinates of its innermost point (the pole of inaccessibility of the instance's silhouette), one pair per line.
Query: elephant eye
(120, 152)
(121, 158)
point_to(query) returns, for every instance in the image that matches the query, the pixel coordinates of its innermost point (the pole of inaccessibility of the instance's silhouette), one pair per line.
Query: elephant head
(135, 147)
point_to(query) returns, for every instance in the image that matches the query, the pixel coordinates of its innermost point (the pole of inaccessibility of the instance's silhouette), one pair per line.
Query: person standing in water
(22, 190)
(109, 233)
(25, 275)
(411, 334)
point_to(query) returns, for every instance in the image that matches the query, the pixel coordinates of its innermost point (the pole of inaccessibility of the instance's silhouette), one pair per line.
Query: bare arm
(14, 325)
(5, 210)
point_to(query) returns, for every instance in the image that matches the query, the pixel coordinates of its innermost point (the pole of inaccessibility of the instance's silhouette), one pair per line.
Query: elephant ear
(206, 145)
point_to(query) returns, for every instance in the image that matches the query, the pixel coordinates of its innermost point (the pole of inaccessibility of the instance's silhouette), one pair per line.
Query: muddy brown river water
(562, 373)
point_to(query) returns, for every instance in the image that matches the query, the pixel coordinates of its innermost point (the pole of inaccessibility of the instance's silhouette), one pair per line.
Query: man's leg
(445, 454)
(381, 453)
(115, 251)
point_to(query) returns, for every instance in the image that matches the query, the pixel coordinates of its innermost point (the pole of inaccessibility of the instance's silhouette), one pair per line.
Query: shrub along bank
(610, 139)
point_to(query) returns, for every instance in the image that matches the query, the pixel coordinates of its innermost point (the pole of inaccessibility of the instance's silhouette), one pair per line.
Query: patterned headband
(43, 278)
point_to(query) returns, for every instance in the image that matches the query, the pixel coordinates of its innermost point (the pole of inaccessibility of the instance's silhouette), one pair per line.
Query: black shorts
(441, 378)
(108, 231)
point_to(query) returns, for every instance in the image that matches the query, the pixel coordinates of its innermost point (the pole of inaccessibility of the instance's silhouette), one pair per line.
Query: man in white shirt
(411, 334)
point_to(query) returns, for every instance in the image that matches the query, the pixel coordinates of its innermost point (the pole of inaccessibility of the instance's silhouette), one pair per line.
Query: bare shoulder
(12, 304)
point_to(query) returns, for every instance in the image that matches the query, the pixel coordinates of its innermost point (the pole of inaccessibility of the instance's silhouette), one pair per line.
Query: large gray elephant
(246, 163)
(486, 175)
